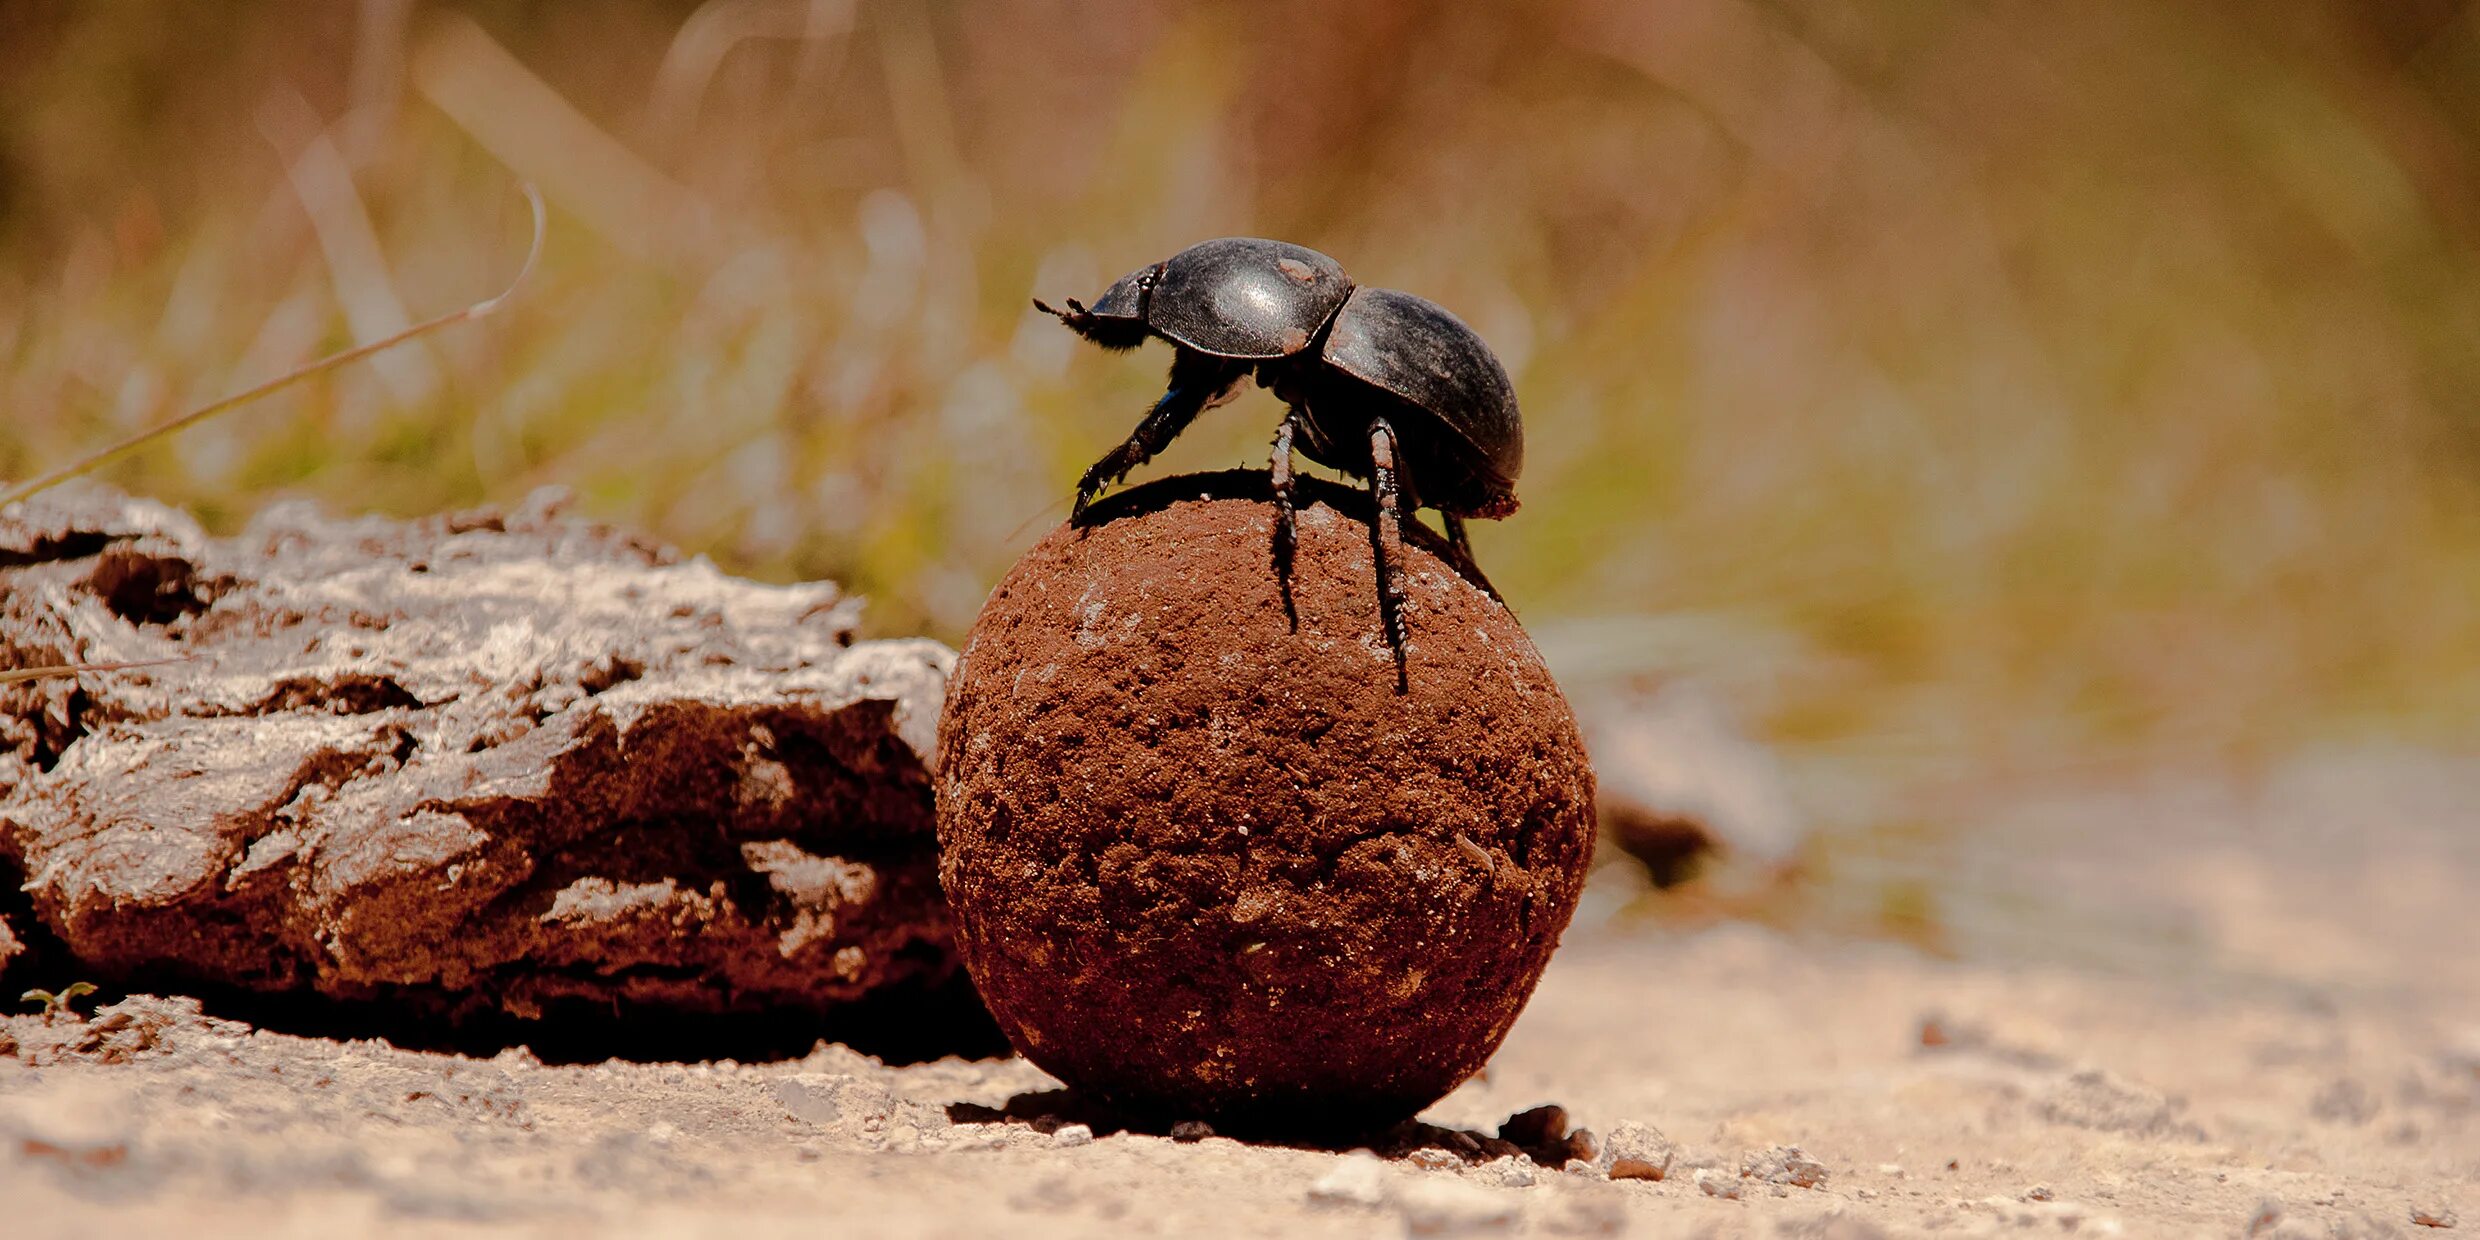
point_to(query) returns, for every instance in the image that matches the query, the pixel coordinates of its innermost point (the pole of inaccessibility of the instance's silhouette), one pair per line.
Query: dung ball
(1206, 862)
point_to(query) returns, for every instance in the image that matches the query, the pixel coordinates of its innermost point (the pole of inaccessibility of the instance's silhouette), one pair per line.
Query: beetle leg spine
(1385, 489)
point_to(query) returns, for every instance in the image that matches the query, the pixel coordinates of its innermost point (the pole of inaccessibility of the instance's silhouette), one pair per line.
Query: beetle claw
(1075, 316)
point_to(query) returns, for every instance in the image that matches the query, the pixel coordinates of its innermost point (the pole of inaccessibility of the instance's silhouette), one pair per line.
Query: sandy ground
(2177, 1008)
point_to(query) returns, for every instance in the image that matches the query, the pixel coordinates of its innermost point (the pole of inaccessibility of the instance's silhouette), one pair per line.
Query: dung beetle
(1379, 384)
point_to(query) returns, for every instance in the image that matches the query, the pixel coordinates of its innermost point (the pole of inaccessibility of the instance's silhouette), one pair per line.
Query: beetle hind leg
(1386, 488)
(1286, 531)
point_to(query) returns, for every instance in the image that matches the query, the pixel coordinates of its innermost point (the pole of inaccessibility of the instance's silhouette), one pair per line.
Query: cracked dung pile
(1206, 866)
(481, 764)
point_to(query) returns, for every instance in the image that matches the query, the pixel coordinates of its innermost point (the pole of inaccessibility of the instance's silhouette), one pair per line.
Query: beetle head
(1117, 320)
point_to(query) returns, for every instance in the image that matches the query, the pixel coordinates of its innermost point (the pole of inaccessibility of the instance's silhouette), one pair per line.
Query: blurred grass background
(2004, 387)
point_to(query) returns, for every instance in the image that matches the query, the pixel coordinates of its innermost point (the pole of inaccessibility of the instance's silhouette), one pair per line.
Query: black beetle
(1381, 385)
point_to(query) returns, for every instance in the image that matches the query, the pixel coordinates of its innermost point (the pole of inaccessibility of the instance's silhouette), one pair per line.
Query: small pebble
(1637, 1152)
(1718, 1184)
(2437, 1216)
(1784, 1164)
(1191, 1130)
(1073, 1134)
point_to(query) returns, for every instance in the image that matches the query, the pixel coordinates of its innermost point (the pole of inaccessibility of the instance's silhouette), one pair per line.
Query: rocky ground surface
(2180, 1007)
(482, 766)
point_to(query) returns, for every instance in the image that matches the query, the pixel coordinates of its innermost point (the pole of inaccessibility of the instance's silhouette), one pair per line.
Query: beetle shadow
(1257, 486)
(1048, 1110)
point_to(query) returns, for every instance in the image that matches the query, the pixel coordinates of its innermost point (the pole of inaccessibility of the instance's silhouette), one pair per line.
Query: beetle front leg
(1197, 383)
(1387, 490)
(1286, 536)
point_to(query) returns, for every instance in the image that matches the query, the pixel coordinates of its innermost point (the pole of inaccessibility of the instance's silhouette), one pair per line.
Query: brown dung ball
(1205, 865)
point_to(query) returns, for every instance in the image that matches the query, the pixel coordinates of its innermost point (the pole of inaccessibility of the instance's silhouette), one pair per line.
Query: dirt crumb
(1784, 1164)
